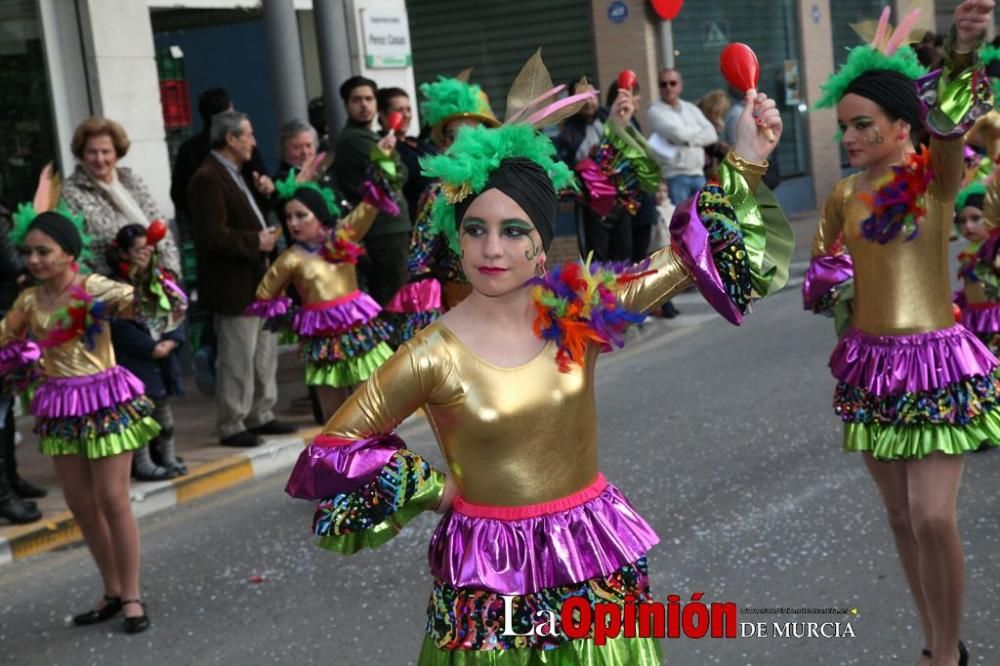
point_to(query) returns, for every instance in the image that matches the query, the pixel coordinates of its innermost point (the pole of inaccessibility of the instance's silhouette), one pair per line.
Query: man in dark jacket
(13, 489)
(388, 241)
(234, 245)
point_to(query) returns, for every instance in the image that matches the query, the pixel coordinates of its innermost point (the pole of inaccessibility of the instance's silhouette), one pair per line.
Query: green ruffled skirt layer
(347, 372)
(134, 437)
(891, 442)
(615, 652)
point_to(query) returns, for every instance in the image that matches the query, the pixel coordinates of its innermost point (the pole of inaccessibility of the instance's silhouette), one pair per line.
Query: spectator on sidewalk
(152, 355)
(383, 268)
(715, 106)
(109, 196)
(194, 150)
(686, 132)
(15, 492)
(409, 148)
(234, 246)
(298, 148)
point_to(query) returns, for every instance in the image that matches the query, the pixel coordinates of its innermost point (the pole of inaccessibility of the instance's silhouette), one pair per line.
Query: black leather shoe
(275, 428)
(244, 439)
(138, 624)
(18, 511)
(112, 606)
(26, 490)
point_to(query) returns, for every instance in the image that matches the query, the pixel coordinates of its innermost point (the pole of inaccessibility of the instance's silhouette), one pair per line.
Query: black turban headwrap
(526, 183)
(975, 200)
(315, 202)
(894, 92)
(61, 230)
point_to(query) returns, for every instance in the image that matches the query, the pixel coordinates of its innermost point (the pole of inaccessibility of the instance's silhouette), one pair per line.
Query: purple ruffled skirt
(907, 396)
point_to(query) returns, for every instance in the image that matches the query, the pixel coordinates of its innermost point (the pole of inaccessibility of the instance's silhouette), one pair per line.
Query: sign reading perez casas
(387, 39)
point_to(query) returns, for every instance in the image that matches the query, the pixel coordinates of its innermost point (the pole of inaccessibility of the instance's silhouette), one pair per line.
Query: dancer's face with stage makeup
(45, 258)
(970, 223)
(304, 226)
(501, 249)
(871, 137)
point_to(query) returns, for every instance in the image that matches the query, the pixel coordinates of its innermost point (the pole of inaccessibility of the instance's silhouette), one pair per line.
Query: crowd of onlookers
(227, 230)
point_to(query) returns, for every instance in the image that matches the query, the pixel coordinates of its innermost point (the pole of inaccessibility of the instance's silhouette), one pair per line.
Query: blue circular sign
(617, 11)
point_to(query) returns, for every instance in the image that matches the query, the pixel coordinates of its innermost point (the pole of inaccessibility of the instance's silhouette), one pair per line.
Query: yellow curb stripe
(60, 531)
(212, 478)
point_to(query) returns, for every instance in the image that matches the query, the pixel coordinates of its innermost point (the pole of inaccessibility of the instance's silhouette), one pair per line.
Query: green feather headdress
(477, 152)
(451, 97)
(970, 190)
(887, 49)
(287, 188)
(47, 199)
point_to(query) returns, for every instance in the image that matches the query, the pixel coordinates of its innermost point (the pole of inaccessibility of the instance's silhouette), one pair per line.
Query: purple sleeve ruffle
(377, 193)
(331, 466)
(18, 353)
(825, 274)
(418, 296)
(269, 308)
(601, 192)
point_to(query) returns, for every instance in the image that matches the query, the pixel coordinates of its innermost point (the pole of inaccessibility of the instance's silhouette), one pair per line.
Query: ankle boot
(168, 453)
(143, 468)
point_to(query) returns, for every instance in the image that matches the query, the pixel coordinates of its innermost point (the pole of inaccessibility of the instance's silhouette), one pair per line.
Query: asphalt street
(722, 437)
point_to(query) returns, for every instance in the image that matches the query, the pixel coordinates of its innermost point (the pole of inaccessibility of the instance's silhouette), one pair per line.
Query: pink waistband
(322, 305)
(531, 510)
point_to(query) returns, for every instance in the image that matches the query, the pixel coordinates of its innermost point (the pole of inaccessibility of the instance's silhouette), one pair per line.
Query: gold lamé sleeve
(991, 208)
(360, 220)
(986, 134)
(397, 389)
(278, 276)
(947, 161)
(668, 277)
(831, 223)
(118, 297)
(14, 324)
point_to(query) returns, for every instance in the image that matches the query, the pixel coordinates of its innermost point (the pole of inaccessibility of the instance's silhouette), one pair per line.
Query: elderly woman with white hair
(298, 148)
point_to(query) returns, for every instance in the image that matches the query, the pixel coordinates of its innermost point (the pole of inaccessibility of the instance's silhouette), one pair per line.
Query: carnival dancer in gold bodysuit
(341, 337)
(915, 390)
(91, 414)
(506, 379)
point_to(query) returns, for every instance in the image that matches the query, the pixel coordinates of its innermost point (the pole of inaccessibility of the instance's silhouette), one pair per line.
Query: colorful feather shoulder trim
(577, 304)
(83, 316)
(898, 204)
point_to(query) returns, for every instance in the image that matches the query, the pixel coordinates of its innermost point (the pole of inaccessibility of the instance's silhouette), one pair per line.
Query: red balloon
(396, 121)
(156, 231)
(739, 66)
(627, 80)
(667, 9)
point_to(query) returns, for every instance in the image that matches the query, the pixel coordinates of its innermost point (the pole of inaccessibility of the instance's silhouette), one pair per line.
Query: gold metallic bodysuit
(72, 358)
(901, 287)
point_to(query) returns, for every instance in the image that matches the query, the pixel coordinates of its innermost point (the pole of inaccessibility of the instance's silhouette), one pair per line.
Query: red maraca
(626, 81)
(155, 232)
(396, 121)
(741, 70)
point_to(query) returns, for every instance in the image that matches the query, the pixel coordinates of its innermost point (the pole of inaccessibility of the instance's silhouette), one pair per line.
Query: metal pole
(334, 59)
(284, 56)
(667, 42)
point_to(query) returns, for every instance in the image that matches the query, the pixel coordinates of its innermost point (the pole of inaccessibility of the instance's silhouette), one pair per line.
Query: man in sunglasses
(684, 131)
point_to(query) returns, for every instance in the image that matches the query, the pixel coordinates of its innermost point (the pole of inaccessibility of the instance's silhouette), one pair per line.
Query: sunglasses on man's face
(664, 84)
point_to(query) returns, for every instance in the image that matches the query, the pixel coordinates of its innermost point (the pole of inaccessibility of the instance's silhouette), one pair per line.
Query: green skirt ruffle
(892, 442)
(615, 652)
(134, 437)
(349, 371)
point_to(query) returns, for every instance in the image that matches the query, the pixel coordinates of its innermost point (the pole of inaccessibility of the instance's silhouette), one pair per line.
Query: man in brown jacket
(234, 245)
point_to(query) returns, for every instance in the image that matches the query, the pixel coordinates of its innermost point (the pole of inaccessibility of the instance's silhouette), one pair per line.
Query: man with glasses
(684, 131)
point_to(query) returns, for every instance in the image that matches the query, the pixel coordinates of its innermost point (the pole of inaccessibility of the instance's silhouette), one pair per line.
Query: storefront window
(27, 133)
(703, 29)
